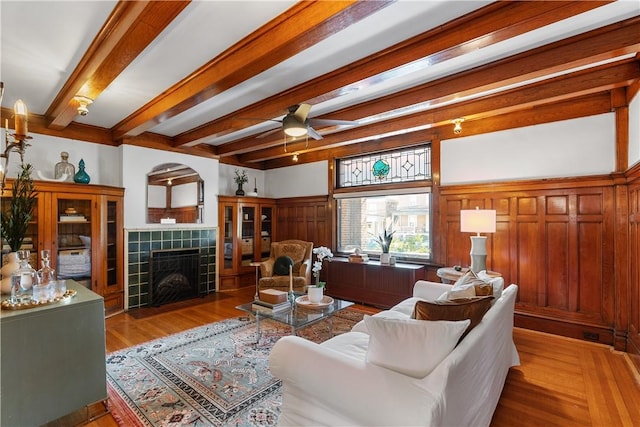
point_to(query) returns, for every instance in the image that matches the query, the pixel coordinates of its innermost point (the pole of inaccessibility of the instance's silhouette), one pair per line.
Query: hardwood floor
(561, 381)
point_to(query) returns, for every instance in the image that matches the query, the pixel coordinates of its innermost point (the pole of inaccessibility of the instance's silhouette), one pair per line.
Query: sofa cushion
(351, 344)
(406, 306)
(457, 309)
(386, 314)
(469, 285)
(409, 346)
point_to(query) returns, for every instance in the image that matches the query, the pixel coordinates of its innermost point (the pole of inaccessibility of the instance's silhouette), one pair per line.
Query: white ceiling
(43, 41)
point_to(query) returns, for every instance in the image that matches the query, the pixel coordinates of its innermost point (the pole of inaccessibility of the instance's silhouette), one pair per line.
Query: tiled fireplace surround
(140, 243)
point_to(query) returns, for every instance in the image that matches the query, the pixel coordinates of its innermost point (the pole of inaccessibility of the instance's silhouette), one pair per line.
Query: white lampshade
(478, 220)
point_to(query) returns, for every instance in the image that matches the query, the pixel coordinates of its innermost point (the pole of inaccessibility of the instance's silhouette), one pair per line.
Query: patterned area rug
(213, 375)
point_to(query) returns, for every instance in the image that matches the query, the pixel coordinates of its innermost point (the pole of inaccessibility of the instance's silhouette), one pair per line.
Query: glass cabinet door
(114, 243)
(247, 232)
(33, 240)
(228, 234)
(266, 231)
(75, 217)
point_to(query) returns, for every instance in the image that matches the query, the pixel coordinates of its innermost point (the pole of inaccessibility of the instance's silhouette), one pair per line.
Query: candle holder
(20, 137)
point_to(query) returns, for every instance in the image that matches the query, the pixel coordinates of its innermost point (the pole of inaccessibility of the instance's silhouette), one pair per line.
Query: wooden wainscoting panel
(304, 218)
(633, 338)
(556, 243)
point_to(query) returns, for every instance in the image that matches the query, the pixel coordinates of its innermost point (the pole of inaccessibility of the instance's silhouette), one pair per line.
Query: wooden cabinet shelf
(245, 238)
(95, 239)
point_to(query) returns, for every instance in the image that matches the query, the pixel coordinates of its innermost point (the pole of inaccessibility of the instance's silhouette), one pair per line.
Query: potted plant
(240, 179)
(316, 290)
(15, 220)
(384, 240)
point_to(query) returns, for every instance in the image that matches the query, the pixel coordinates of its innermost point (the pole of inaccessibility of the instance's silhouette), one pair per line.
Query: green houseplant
(240, 179)
(384, 240)
(15, 220)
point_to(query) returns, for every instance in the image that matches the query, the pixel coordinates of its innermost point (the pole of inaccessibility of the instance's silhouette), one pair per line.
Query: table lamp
(478, 221)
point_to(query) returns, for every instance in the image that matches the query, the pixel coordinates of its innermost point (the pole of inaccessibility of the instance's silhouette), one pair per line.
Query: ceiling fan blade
(269, 132)
(328, 122)
(312, 133)
(302, 112)
(258, 119)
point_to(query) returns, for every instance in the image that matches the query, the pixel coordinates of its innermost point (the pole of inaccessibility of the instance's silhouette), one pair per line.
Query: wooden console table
(53, 359)
(372, 283)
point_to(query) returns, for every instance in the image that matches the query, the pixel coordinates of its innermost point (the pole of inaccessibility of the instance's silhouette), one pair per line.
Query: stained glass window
(365, 213)
(410, 164)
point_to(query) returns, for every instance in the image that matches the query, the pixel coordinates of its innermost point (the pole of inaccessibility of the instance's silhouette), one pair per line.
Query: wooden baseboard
(576, 330)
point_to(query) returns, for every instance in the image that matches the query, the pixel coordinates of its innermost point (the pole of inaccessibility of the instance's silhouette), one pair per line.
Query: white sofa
(333, 384)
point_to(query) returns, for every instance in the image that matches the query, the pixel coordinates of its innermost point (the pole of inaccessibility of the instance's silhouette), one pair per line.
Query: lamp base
(478, 253)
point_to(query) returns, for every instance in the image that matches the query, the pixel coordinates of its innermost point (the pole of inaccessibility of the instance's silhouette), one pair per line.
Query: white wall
(157, 196)
(634, 131)
(102, 162)
(138, 161)
(309, 179)
(578, 147)
(228, 187)
(184, 195)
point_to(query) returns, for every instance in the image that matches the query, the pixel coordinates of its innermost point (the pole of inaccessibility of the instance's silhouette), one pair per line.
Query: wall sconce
(295, 157)
(83, 104)
(20, 136)
(478, 221)
(457, 128)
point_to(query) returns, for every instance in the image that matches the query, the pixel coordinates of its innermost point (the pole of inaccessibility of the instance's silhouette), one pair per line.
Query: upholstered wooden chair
(301, 253)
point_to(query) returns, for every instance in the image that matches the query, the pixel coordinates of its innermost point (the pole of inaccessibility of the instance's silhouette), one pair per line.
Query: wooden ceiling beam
(303, 25)
(131, 26)
(489, 25)
(598, 103)
(597, 45)
(575, 85)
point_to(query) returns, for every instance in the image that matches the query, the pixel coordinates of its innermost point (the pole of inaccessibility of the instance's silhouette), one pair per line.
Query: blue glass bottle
(81, 177)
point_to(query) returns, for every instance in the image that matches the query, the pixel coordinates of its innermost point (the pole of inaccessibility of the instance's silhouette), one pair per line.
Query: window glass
(365, 209)
(410, 164)
(362, 219)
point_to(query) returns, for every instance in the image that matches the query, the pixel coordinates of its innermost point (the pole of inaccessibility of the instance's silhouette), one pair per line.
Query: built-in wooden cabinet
(372, 283)
(82, 227)
(247, 225)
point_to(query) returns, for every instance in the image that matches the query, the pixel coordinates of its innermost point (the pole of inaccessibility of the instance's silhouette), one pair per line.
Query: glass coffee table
(299, 315)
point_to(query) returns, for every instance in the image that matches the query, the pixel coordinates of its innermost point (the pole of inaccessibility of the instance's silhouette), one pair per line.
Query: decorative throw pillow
(409, 346)
(281, 265)
(483, 290)
(454, 310)
(469, 285)
(496, 282)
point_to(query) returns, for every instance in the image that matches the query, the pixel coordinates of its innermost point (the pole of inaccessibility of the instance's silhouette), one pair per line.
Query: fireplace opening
(174, 275)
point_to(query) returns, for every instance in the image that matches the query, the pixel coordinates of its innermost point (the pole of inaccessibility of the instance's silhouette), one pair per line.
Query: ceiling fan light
(293, 127)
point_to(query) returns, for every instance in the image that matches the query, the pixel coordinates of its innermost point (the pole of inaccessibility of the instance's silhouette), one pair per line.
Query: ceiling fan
(297, 123)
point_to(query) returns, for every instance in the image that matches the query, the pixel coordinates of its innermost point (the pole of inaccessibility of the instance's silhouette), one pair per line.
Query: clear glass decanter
(23, 279)
(46, 274)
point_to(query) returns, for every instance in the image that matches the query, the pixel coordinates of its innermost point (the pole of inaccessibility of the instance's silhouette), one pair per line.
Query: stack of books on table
(265, 307)
(271, 301)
